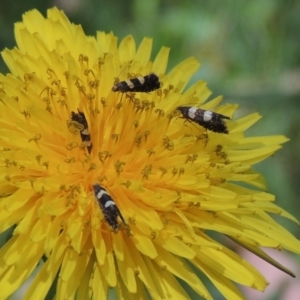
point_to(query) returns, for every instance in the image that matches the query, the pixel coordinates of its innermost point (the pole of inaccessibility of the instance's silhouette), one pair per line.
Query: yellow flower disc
(172, 180)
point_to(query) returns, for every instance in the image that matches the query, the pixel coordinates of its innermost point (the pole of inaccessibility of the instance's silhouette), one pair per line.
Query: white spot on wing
(85, 131)
(141, 80)
(109, 203)
(207, 116)
(192, 112)
(130, 84)
(101, 193)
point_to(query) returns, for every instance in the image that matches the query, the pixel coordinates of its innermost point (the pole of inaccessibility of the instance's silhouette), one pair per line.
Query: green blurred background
(249, 50)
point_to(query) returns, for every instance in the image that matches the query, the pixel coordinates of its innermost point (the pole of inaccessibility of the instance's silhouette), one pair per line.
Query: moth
(206, 118)
(84, 133)
(144, 84)
(108, 206)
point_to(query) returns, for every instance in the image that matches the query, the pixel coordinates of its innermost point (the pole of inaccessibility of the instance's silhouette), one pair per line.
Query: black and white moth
(206, 118)
(144, 84)
(84, 133)
(108, 206)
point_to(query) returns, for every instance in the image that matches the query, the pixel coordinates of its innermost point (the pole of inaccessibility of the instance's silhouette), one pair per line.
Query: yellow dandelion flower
(112, 188)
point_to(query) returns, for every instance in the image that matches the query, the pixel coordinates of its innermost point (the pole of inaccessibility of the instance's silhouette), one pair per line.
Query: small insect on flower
(206, 118)
(84, 133)
(108, 206)
(144, 84)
